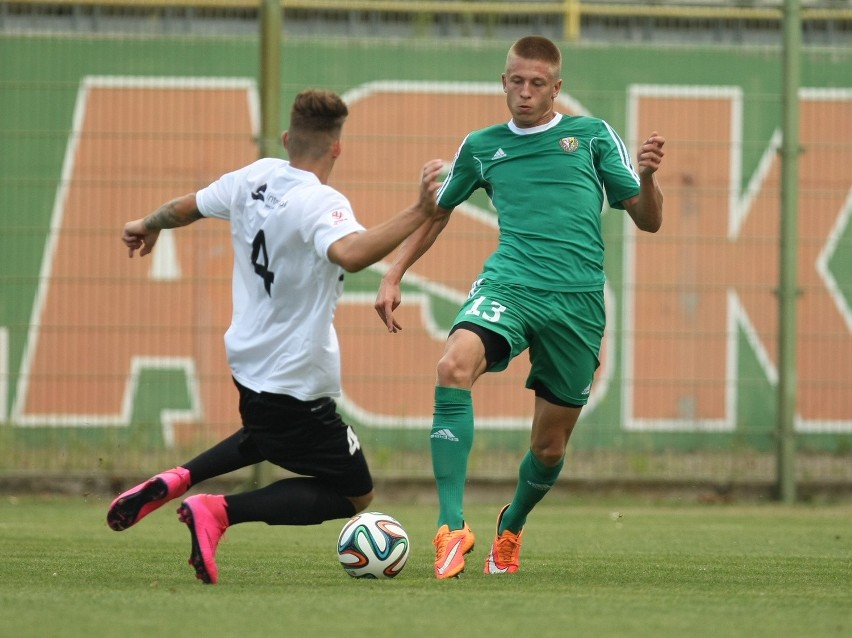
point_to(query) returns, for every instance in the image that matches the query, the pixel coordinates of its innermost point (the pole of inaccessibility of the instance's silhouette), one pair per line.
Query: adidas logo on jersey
(500, 154)
(445, 434)
(587, 389)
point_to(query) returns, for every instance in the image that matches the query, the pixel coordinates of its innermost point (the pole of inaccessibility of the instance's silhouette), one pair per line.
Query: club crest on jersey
(569, 144)
(338, 217)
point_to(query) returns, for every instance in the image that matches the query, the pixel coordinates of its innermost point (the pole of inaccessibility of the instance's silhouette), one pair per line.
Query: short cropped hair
(316, 119)
(536, 47)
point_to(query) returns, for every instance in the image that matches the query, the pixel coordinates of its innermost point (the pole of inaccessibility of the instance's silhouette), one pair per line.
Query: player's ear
(284, 139)
(556, 88)
(336, 149)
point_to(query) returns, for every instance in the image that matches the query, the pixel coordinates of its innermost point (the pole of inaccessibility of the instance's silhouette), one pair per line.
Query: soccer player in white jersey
(293, 238)
(541, 290)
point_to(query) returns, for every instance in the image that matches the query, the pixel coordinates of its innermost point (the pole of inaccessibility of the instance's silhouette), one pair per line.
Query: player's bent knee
(453, 372)
(548, 456)
(362, 502)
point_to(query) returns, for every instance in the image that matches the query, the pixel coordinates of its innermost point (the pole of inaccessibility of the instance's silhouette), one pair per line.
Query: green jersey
(547, 184)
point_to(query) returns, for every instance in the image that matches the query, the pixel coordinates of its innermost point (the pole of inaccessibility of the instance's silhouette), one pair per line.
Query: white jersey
(285, 290)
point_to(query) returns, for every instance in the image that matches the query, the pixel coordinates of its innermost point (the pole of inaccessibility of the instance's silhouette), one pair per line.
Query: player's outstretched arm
(389, 295)
(141, 234)
(646, 208)
(359, 250)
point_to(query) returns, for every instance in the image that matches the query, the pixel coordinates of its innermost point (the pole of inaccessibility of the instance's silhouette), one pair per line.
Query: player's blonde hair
(536, 47)
(316, 119)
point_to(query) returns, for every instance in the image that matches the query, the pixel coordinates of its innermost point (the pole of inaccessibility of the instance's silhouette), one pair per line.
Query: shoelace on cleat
(507, 544)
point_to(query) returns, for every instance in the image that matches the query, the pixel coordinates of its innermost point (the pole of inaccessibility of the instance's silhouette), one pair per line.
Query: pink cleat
(207, 518)
(136, 503)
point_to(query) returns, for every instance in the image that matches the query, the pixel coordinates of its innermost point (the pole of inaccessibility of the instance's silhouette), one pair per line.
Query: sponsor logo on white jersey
(338, 217)
(258, 194)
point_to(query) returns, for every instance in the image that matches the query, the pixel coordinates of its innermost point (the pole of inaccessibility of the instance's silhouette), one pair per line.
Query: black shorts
(305, 437)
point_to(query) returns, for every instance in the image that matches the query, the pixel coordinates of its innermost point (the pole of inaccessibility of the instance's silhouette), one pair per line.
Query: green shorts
(562, 330)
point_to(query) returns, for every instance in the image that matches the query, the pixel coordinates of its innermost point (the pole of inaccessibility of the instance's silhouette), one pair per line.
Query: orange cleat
(450, 550)
(505, 554)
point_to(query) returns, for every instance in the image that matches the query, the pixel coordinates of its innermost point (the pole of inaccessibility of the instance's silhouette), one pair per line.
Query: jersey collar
(557, 117)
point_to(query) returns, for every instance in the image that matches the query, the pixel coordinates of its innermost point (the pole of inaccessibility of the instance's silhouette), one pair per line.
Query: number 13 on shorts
(488, 310)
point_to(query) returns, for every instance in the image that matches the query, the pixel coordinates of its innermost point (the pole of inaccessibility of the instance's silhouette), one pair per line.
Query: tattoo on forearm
(163, 217)
(167, 216)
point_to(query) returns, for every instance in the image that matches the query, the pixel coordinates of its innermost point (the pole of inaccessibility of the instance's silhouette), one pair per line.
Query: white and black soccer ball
(372, 545)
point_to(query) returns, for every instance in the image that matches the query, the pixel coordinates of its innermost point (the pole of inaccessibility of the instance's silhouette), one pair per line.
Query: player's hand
(429, 186)
(137, 237)
(387, 300)
(650, 154)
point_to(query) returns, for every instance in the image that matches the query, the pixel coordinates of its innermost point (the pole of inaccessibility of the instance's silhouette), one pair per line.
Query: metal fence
(685, 21)
(111, 367)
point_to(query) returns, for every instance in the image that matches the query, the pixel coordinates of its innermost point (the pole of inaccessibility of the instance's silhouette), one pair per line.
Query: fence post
(787, 284)
(270, 79)
(571, 20)
(270, 126)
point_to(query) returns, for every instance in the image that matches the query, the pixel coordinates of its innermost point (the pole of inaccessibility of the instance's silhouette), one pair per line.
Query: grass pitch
(588, 568)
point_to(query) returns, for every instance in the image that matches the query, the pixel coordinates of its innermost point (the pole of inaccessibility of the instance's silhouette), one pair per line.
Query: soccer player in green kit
(542, 289)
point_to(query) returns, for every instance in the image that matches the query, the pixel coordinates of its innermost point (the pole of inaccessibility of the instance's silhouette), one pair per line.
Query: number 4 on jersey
(261, 267)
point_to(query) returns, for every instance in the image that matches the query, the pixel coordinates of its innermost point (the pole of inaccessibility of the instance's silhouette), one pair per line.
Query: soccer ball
(372, 545)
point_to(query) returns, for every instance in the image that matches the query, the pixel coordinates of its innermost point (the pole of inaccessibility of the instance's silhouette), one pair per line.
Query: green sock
(534, 481)
(451, 440)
